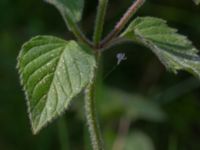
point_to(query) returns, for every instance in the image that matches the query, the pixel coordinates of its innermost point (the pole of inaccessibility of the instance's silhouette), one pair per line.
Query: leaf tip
(35, 131)
(37, 128)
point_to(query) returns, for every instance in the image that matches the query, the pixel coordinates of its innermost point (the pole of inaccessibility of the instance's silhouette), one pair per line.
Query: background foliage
(138, 100)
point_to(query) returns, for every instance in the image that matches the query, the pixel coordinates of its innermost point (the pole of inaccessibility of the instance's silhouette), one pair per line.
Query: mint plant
(53, 71)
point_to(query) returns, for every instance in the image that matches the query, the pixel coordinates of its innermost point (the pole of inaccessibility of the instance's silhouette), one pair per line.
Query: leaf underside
(175, 51)
(52, 72)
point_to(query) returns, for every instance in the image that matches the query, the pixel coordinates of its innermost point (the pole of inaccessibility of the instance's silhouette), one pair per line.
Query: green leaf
(71, 10)
(52, 72)
(175, 51)
(197, 2)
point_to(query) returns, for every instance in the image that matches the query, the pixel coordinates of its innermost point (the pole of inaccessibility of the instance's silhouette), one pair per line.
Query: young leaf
(52, 72)
(175, 51)
(71, 10)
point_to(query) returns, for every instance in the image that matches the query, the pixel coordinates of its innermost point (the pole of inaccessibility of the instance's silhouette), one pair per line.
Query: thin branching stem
(99, 21)
(90, 109)
(122, 23)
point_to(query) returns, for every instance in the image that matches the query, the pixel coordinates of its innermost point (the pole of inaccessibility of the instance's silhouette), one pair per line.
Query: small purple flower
(121, 57)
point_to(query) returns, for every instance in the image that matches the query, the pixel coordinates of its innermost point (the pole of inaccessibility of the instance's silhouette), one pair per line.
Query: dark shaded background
(142, 76)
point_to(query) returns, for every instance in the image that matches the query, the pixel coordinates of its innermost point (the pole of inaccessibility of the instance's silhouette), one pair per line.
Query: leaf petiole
(123, 21)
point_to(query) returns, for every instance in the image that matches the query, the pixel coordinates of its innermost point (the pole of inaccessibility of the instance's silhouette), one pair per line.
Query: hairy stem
(91, 116)
(99, 21)
(123, 21)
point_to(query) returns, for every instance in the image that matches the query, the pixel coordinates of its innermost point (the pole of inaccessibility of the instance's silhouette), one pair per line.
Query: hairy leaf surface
(71, 10)
(175, 51)
(52, 72)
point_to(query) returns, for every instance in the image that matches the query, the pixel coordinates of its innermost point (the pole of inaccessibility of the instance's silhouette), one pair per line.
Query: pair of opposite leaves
(53, 71)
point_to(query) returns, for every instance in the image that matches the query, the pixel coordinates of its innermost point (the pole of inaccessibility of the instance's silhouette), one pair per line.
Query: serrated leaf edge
(35, 130)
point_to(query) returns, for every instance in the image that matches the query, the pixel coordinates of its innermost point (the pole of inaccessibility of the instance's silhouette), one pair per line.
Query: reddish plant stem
(123, 21)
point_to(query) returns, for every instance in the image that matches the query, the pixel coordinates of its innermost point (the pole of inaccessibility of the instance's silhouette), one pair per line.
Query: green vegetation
(57, 74)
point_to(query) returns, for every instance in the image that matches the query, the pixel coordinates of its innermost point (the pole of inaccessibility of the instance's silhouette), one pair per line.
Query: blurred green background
(140, 105)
